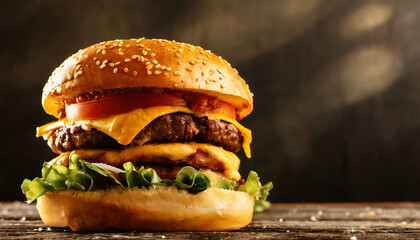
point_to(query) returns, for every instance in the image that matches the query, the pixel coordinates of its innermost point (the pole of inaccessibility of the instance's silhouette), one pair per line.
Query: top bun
(146, 63)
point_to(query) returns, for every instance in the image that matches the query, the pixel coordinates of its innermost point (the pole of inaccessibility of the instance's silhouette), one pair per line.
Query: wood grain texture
(281, 221)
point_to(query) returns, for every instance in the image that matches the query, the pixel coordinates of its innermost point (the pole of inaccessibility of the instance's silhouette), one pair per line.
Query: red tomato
(226, 109)
(113, 105)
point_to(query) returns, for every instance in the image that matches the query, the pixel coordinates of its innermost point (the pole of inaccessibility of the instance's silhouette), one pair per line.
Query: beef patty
(176, 127)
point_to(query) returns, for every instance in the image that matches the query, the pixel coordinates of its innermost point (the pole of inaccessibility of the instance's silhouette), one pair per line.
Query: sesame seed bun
(211, 210)
(146, 63)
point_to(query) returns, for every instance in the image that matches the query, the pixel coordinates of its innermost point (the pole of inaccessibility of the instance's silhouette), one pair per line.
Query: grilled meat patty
(176, 127)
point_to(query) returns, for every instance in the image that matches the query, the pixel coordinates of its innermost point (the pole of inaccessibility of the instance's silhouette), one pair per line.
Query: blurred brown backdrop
(336, 84)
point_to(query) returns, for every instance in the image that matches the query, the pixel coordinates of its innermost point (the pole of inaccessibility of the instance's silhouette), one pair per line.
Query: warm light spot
(368, 71)
(294, 8)
(366, 18)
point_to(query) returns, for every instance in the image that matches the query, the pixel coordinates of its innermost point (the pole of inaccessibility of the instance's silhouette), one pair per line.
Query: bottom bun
(163, 208)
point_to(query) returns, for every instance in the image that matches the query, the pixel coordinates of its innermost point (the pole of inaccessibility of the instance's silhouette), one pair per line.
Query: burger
(146, 134)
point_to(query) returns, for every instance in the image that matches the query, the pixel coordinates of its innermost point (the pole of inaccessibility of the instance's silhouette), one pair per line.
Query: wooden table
(282, 221)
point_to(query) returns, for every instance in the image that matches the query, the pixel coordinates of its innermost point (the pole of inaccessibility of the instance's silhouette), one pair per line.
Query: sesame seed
(115, 70)
(149, 72)
(220, 78)
(177, 73)
(97, 51)
(157, 72)
(141, 59)
(163, 67)
(150, 66)
(153, 54)
(157, 65)
(128, 45)
(134, 57)
(127, 60)
(117, 63)
(179, 63)
(103, 52)
(102, 66)
(204, 63)
(180, 50)
(104, 62)
(192, 62)
(77, 68)
(191, 49)
(134, 73)
(203, 74)
(98, 62)
(79, 72)
(144, 52)
(199, 57)
(120, 53)
(148, 49)
(141, 45)
(111, 64)
(125, 69)
(169, 69)
(189, 69)
(211, 71)
(155, 62)
(218, 70)
(178, 55)
(176, 85)
(201, 51)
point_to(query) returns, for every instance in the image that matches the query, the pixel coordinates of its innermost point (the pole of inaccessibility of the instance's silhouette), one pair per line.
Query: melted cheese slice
(165, 153)
(125, 127)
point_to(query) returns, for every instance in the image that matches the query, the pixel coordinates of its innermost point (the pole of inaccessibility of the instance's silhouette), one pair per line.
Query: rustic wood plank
(281, 221)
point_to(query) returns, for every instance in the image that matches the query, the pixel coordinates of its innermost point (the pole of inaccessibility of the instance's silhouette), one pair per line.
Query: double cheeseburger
(146, 134)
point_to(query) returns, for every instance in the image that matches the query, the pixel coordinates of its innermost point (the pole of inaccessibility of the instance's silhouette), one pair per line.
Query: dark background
(336, 84)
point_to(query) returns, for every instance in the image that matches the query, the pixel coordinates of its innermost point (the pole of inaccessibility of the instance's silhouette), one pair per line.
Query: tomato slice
(226, 109)
(117, 104)
(113, 105)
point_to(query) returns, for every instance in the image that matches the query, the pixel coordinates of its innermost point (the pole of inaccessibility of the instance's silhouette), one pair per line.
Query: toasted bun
(123, 64)
(164, 208)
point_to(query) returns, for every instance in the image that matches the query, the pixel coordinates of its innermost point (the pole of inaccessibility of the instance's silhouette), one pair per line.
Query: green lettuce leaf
(189, 179)
(35, 188)
(139, 178)
(224, 183)
(253, 186)
(84, 176)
